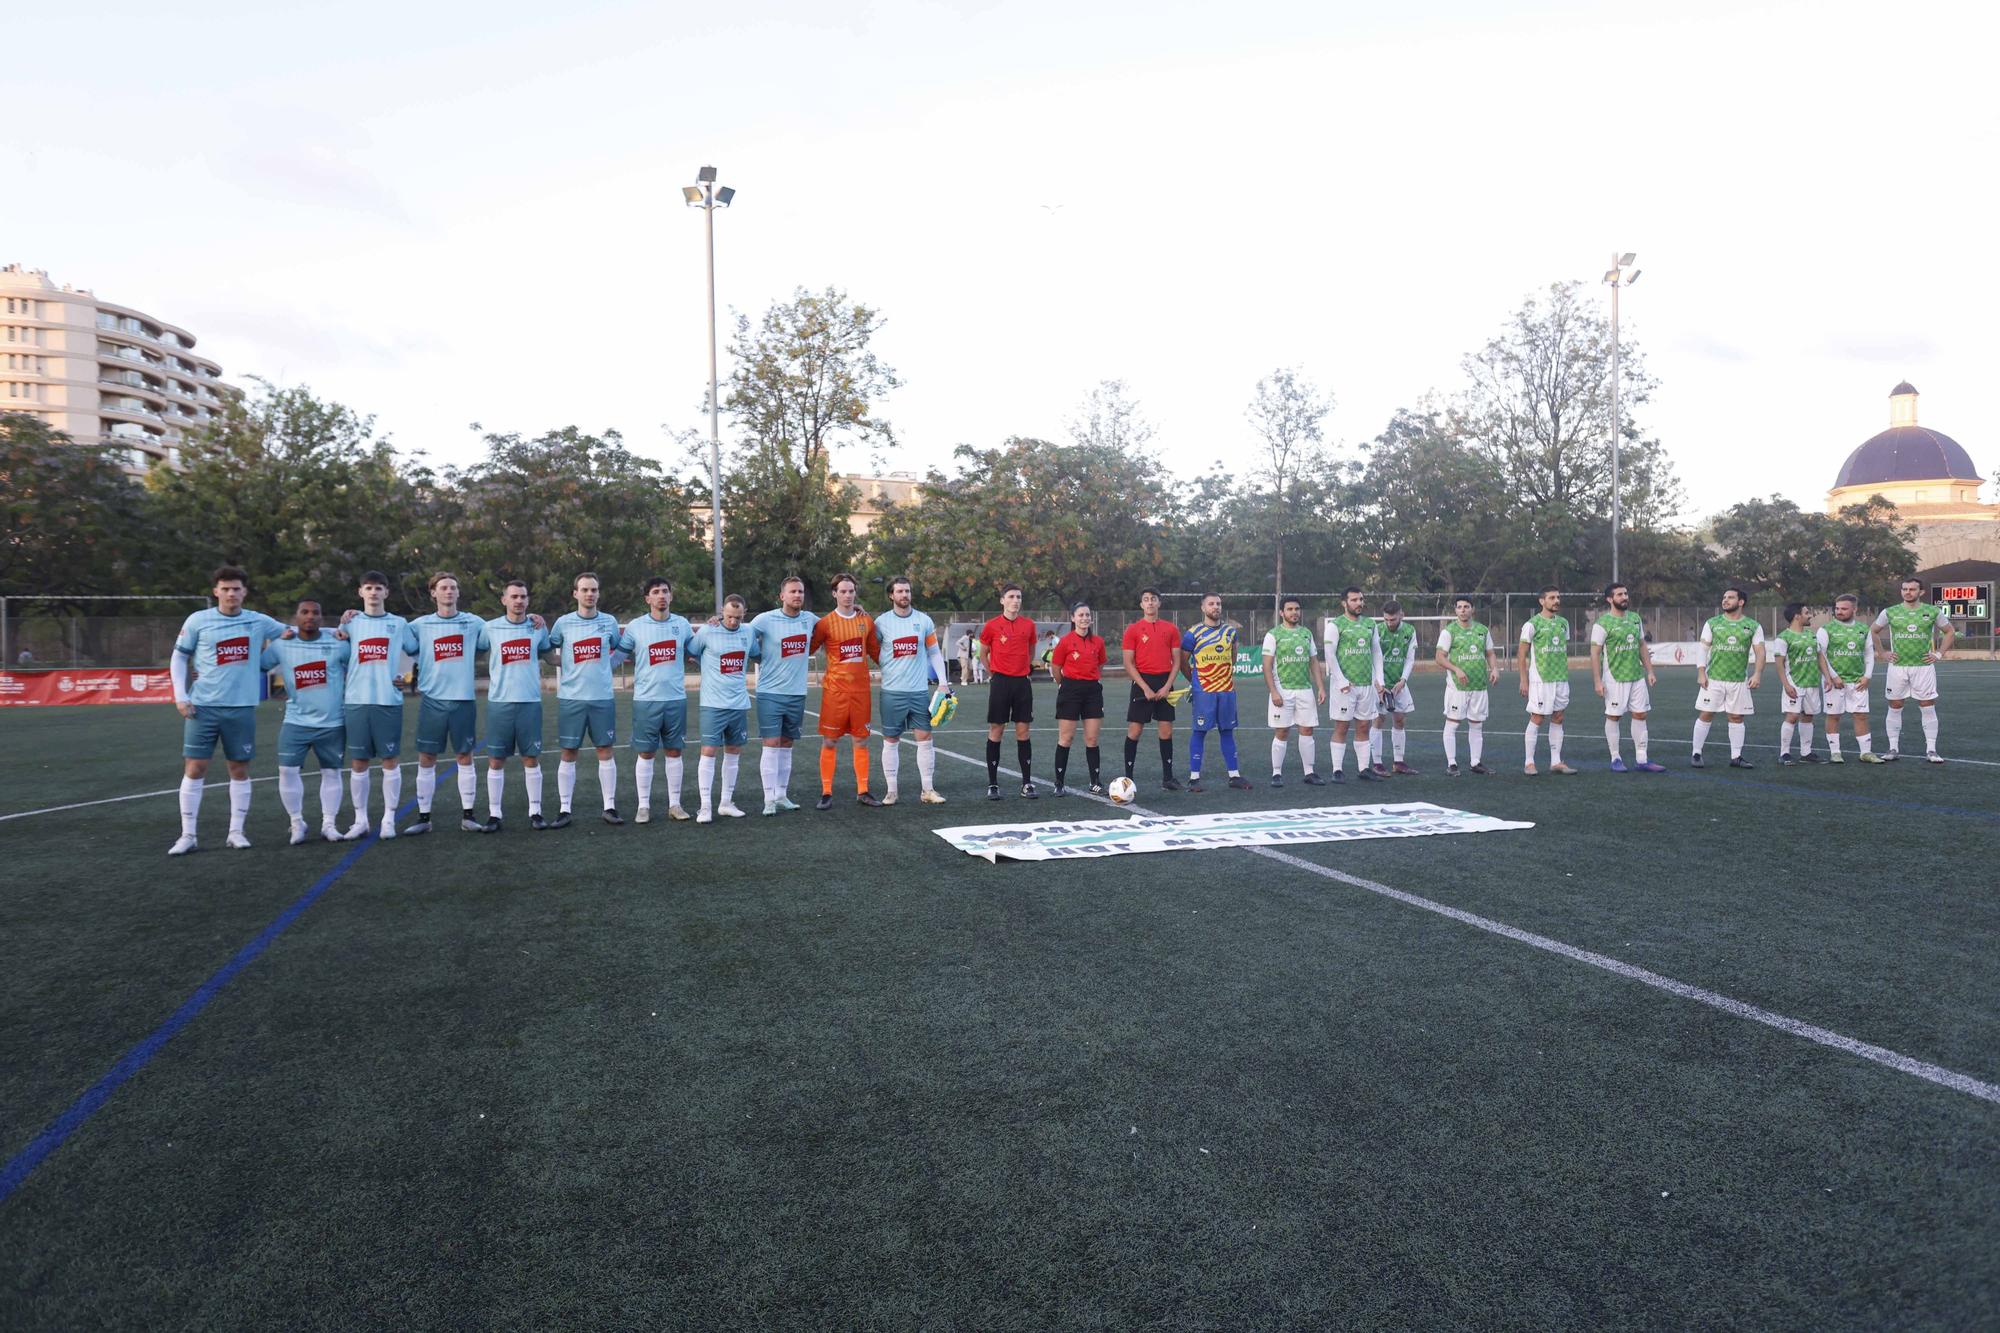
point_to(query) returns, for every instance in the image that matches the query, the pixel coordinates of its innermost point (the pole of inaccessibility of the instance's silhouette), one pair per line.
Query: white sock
(1785, 738)
(1930, 721)
(292, 791)
(1895, 722)
(1555, 743)
(1361, 754)
(1306, 751)
(927, 764)
(565, 782)
(768, 768)
(1278, 757)
(1378, 744)
(892, 763)
(1866, 742)
(361, 790)
(468, 787)
(1534, 731)
(329, 795)
(1735, 740)
(1450, 742)
(392, 792)
(642, 778)
(1475, 740)
(730, 764)
(239, 803)
(534, 779)
(705, 779)
(786, 754)
(427, 785)
(1700, 735)
(1398, 739)
(1805, 736)
(607, 782)
(675, 772)
(496, 788)
(1611, 735)
(1639, 738)
(190, 805)
(1833, 743)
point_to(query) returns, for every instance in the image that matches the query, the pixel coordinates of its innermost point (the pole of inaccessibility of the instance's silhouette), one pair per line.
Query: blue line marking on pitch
(23, 1163)
(1841, 795)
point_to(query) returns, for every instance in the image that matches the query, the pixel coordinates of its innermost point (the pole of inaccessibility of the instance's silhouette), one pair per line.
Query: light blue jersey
(315, 679)
(906, 651)
(514, 666)
(725, 656)
(658, 649)
(372, 644)
(225, 651)
(784, 647)
(446, 649)
(583, 668)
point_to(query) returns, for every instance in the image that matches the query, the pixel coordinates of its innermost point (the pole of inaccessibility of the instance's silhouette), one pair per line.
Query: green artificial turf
(824, 1071)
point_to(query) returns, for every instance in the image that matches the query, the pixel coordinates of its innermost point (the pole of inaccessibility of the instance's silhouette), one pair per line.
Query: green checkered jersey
(1729, 643)
(1547, 638)
(1847, 648)
(1291, 650)
(1623, 635)
(1467, 652)
(1354, 649)
(1396, 645)
(1912, 632)
(1801, 657)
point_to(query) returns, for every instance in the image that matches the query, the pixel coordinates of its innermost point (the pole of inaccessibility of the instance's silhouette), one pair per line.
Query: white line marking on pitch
(1947, 1078)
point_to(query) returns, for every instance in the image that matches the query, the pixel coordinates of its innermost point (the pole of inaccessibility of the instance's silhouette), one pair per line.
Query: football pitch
(824, 1071)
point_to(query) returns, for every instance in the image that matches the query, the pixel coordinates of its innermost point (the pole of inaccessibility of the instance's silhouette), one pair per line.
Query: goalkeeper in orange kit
(849, 638)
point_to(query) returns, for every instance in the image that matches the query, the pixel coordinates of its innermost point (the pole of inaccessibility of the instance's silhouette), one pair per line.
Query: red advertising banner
(20, 689)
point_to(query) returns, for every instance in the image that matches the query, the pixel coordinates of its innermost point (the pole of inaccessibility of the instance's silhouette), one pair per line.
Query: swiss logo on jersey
(232, 652)
(663, 654)
(902, 647)
(450, 648)
(515, 651)
(308, 675)
(850, 651)
(371, 650)
(586, 650)
(732, 664)
(793, 645)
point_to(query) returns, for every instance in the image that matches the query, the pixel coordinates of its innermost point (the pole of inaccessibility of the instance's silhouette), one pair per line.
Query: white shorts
(1838, 699)
(1726, 696)
(1293, 708)
(1357, 705)
(1544, 699)
(1397, 699)
(1807, 704)
(1623, 696)
(1917, 682)
(1464, 705)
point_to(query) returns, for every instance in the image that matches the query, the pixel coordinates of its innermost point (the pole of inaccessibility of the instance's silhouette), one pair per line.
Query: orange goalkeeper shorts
(843, 712)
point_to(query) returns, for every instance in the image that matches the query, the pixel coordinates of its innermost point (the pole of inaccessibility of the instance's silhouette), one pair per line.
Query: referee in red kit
(1153, 658)
(1010, 646)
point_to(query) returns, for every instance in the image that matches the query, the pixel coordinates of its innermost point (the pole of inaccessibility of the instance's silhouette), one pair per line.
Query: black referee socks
(1166, 759)
(1131, 754)
(993, 763)
(1026, 749)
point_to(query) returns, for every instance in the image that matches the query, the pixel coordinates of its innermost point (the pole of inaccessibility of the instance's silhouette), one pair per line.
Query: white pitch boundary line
(1938, 1074)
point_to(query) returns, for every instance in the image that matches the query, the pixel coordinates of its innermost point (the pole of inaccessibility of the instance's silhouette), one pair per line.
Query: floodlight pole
(1615, 278)
(704, 196)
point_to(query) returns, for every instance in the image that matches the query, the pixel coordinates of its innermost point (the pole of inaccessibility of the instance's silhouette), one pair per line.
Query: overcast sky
(442, 215)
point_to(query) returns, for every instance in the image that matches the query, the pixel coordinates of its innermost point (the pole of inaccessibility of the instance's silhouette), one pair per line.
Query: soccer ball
(1123, 790)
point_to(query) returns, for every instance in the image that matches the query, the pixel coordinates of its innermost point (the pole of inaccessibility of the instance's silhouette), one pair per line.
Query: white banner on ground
(1195, 833)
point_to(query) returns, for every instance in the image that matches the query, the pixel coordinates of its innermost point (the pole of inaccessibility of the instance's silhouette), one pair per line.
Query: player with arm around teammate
(314, 667)
(1353, 684)
(1916, 635)
(1623, 671)
(847, 635)
(586, 708)
(1846, 663)
(725, 650)
(1396, 641)
(514, 642)
(1730, 643)
(1077, 664)
(445, 647)
(784, 648)
(1465, 650)
(657, 644)
(908, 652)
(1795, 652)
(374, 704)
(220, 647)
(1544, 664)
(1296, 679)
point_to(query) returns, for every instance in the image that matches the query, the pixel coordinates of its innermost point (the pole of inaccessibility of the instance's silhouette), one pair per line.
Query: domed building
(1932, 481)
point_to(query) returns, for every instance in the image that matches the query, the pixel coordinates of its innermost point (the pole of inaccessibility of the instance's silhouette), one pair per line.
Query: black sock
(1090, 756)
(993, 763)
(1062, 764)
(1167, 758)
(1025, 749)
(1131, 754)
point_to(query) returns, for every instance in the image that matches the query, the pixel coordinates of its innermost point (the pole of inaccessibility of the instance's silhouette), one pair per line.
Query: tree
(1287, 413)
(1775, 547)
(75, 521)
(1110, 418)
(1431, 505)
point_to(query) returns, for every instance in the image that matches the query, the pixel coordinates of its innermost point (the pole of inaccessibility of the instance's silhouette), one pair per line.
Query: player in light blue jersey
(222, 646)
(725, 651)
(445, 647)
(585, 709)
(374, 704)
(657, 643)
(910, 654)
(312, 665)
(514, 643)
(784, 645)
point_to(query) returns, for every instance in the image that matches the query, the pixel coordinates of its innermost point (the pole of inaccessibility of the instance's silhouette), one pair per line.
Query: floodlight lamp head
(692, 194)
(1611, 277)
(723, 194)
(1634, 278)
(1625, 260)
(705, 175)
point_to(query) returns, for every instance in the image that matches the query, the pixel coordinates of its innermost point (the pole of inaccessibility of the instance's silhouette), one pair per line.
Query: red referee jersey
(1151, 644)
(1010, 644)
(1079, 658)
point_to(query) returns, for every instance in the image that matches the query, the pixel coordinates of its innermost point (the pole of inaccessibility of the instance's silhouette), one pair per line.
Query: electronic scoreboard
(1964, 601)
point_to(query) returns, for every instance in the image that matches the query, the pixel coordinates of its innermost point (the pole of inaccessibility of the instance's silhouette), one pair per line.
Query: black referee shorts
(1079, 700)
(1142, 709)
(1010, 699)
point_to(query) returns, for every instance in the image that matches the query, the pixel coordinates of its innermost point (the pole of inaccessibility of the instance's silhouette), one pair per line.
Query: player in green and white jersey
(1544, 661)
(1795, 653)
(1354, 683)
(1622, 668)
(1297, 681)
(1846, 661)
(1465, 650)
(1729, 644)
(1916, 635)
(1397, 639)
